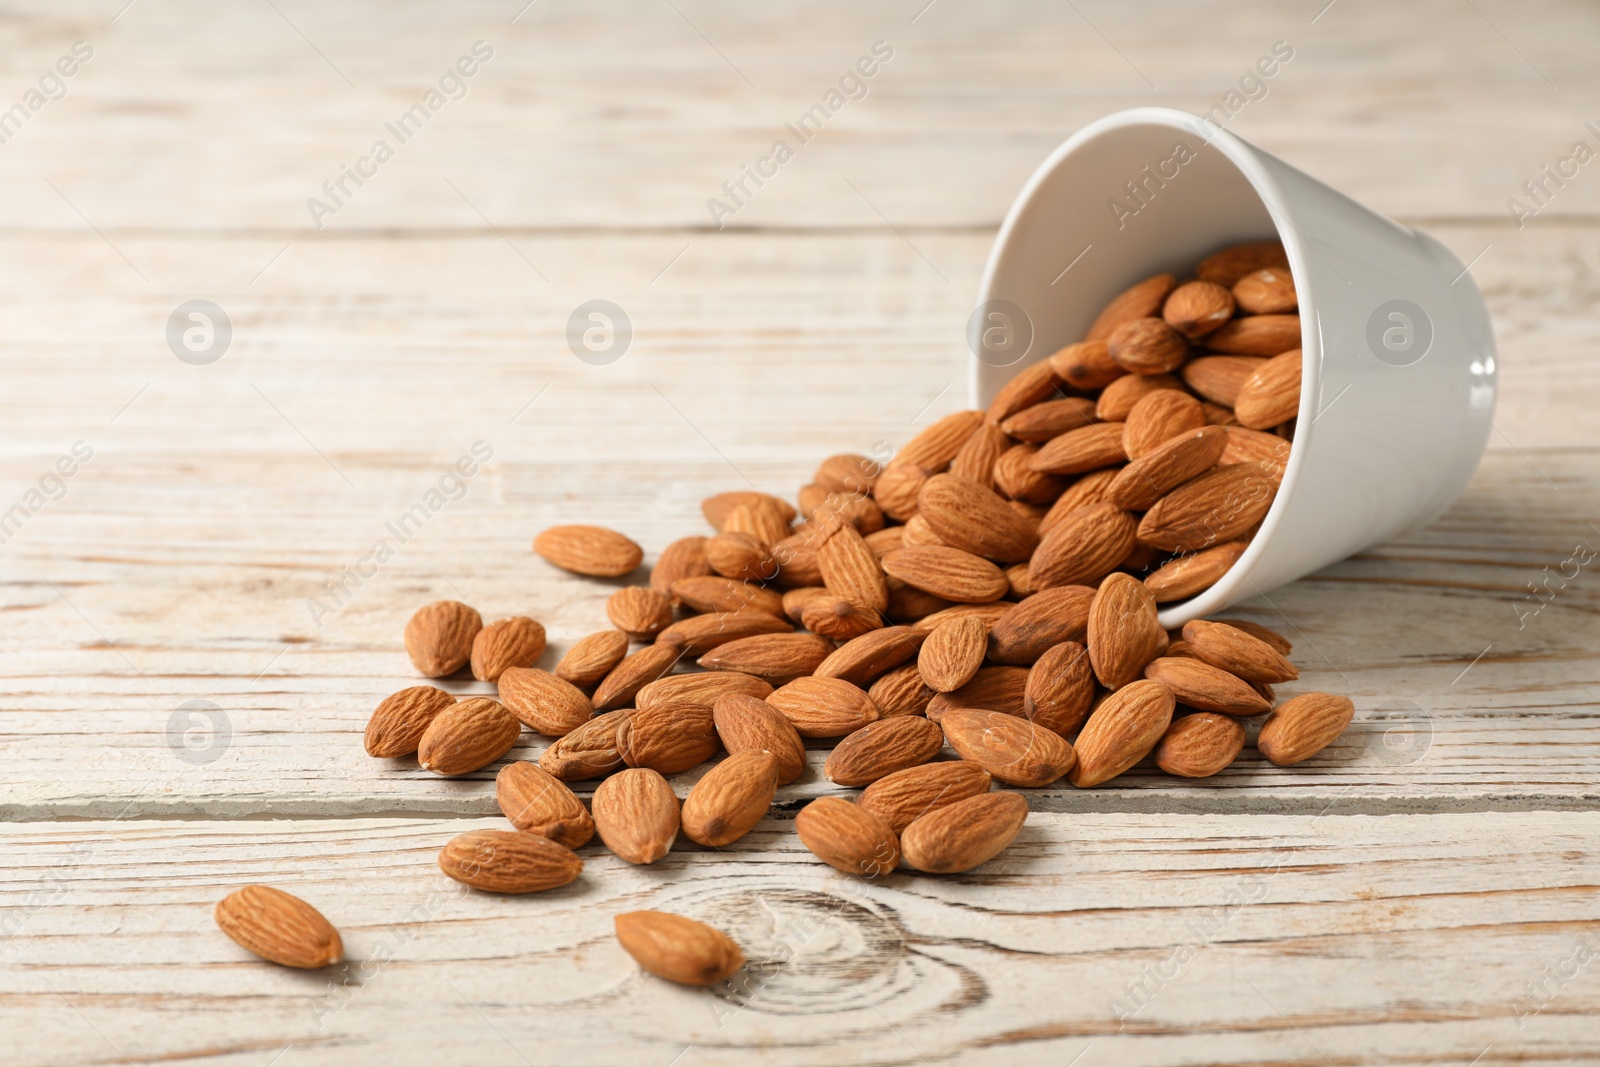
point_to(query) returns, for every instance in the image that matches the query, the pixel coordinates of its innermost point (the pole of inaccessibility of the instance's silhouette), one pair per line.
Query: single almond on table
(539, 803)
(1234, 262)
(714, 593)
(880, 748)
(1304, 726)
(739, 555)
(1135, 302)
(824, 707)
(1269, 291)
(592, 550)
(839, 619)
(1238, 652)
(901, 692)
(636, 815)
(953, 652)
(1271, 396)
(1199, 745)
(706, 688)
(1184, 576)
(639, 611)
(1077, 451)
(746, 723)
(1116, 400)
(1086, 365)
(1013, 750)
(1157, 419)
(514, 642)
(1124, 633)
(717, 508)
(775, 658)
(1049, 419)
(1121, 731)
(850, 569)
(1083, 547)
(1220, 378)
(965, 834)
(864, 658)
(669, 738)
(398, 723)
(1256, 335)
(904, 796)
(590, 751)
(618, 688)
(1147, 346)
(1217, 506)
(934, 448)
(1205, 687)
(1196, 308)
(279, 927)
(1147, 479)
(947, 572)
(467, 735)
(592, 657)
(544, 703)
(1043, 620)
(730, 799)
(1027, 387)
(699, 634)
(992, 688)
(439, 637)
(973, 518)
(508, 861)
(678, 949)
(1060, 688)
(847, 837)
(684, 558)
(1261, 633)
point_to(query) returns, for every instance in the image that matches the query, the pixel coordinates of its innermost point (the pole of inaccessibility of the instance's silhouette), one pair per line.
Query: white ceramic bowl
(1399, 376)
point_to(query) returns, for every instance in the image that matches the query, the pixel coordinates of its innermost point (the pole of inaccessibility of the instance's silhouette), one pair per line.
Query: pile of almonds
(992, 591)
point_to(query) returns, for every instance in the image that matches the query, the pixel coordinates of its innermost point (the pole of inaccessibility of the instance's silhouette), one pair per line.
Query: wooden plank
(1123, 939)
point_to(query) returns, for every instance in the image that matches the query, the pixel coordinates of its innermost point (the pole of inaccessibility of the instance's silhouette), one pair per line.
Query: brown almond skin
(1304, 726)
(1256, 335)
(618, 688)
(933, 448)
(901, 692)
(1116, 400)
(439, 637)
(897, 489)
(850, 570)
(398, 723)
(848, 837)
(590, 751)
(539, 803)
(639, 611)
(714, 593)
(1123, 729)
(279, 927)
(1234, 262)
(1083, 547)
(1040, 622)
(953, 652)
(1124, 633)
(1157, 419)
(1135, 302)
(738, 555)
(947, 572)
(1217, 506)
(684, 558)
(973, 518)
(1245, 446)
(717, 508)
(1150, 477)
(762, 519)
(990, 613)
(670, 738)
(636, 814)
(1238, 652)
(1147, 346)
(1271, 396)
(515, 642)
(1183, 577)
(706, 688)
(1196, 308)
(1086, 365)
(1029, 386)
(1085, 490)
(975, 462)
(678, 949)
(964, 835)
(1079, 451)
(592, 550)
(730, 799)
(824, 707)
(466, 736)
(592, 658)
(1199, 745)
(795, 601)
(775, 658)
(1207, 688)
(1060, 688)
(904, 796)
(848, 472)
(699, 634)
(861, 660)
(1269, 291)
(992, 688)
(839, 619)
(544, 703)
(1015, 477)
(1013, 750)
(1220, 378)
(1256, 630)
(746, 723)
(880, 748)
(508, 861)
(1051, 419)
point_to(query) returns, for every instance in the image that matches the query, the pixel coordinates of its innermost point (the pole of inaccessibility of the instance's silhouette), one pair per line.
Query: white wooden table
(1423, 893)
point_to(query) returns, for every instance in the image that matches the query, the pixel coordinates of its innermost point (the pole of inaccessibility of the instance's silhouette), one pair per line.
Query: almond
(669, 738)
(398, 723)
(847, 837)
(1256, 335)
(745, 724)
(861, 660)
(839, 619)
(905, 796)
(1147, 346)
(886, 540)
(838, 509)
(1237, 652)
(897, 489)
(279, 927)
(1150, 477)
(990, 613)
(975, 462)
(1194, 309)
(795, 601)
(678, 949)
(1015, 477)
(1083, 547)
(1076, 451)
(1220, 378)
(1047, 618)
(1136, 302)
(851, 570)
(918, 534)
(880, 748)
(618, 688)
(684, 558)
(1013, 750)
(1304, 726)
(775, 658)
(901, 692)
(1256, 630)
(508, 861)
(592, 550)
(1017, 582)
(1217, 506)
(730, 799)
(439, 637)
(1117, 399)
(947, 572)
(1184, 576)
(590, 751)
(700, 634)
(1157, 419)
(1199, 745)
(636, 815)
(1124, 632)
(1269, 291)
(514, 642)
(1086, 365)
(908, 605)
(467, 735)
(1091, 488)
(824, 707)
(1217, 415)
(1246, 446)
(765, 519)
(953, 653)
(1121, 731)
(703, 688)
(1060, 688)
(1041, 422)
(738, 555)
(936, 446)
(847, 473)
(1229, 265)
(639, 611)
(1027, 387)
(539, 803)
(714, 593)
(544, 703)
(717, 508)
(992, 688)
(1203, 686)
(1271, 396)
(973, 518)
(965, 834)
(592, 657)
